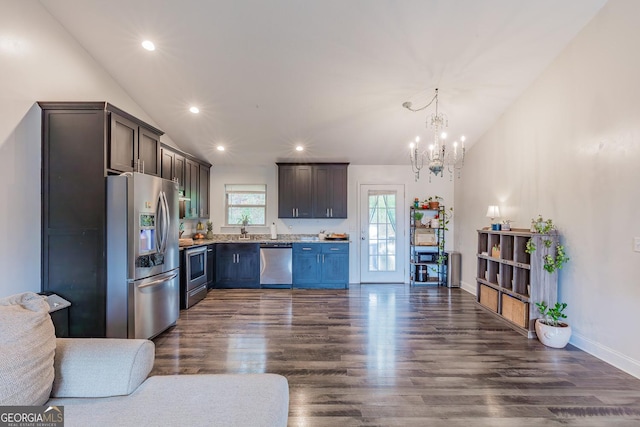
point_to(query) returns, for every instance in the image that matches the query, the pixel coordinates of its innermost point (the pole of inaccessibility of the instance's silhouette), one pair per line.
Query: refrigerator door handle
(168, 216)
(158, 281)
(159, 216)
(165, 221)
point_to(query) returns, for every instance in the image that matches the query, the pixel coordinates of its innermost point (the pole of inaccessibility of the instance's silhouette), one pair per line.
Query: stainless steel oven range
(194, 286)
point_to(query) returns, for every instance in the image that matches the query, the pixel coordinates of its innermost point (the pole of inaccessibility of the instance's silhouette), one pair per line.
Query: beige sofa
(104, 381)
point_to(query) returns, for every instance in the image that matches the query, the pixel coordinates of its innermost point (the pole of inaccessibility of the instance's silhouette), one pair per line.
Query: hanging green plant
(552, 261)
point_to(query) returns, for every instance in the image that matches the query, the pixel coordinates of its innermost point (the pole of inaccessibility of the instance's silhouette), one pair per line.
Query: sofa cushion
(27, 343)
(245, 400)
(100, 367)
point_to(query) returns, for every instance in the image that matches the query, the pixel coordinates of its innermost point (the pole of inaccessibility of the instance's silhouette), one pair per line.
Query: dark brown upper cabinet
(122, 144)
(330, 191)
(294, 191)
(313, 190)
(203, 192)
(193, 176)
(133, 144)
(149, 151)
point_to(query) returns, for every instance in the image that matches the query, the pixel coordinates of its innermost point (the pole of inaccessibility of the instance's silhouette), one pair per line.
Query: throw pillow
(27, 343)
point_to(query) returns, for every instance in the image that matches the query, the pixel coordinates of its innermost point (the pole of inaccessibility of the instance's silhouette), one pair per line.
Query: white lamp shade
(493, 212)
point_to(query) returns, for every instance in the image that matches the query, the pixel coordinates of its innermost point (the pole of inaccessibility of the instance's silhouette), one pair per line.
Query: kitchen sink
(309, 239)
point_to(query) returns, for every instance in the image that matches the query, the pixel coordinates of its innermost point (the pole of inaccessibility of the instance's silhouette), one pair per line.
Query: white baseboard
(609, 355)
(606, 354)
(469, 288)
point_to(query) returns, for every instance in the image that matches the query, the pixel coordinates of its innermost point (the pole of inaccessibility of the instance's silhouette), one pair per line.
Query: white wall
(569, 149)
(39, 61)
(357, 174)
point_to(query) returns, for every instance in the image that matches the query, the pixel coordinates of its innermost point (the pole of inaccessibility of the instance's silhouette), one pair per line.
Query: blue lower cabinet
(237, 265)
(320, 265)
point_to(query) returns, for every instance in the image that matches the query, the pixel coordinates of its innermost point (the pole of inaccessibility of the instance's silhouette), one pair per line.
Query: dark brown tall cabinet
(82, 143)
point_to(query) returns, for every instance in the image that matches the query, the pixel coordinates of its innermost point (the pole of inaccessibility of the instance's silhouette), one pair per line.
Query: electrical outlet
(636, 244)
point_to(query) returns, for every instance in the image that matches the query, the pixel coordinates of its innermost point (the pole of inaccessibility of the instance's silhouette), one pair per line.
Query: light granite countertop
(265, 238)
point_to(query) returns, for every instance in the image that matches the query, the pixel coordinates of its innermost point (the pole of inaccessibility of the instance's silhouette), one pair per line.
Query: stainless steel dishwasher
(275, 265)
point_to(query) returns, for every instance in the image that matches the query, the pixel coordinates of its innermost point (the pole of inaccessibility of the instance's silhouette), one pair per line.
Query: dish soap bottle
(274, 231)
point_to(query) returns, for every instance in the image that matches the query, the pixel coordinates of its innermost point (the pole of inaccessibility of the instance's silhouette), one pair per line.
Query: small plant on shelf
(434, 202)
(552, 259)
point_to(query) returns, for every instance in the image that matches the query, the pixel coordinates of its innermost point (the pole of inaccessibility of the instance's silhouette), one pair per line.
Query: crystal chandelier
(437, 156)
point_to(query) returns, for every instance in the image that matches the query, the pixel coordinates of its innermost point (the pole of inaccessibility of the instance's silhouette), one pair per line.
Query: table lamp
(493, 212)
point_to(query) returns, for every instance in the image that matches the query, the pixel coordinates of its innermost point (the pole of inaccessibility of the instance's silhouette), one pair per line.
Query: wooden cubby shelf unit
(510, 281)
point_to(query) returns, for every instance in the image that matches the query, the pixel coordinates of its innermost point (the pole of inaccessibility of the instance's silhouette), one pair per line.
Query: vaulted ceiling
(330, 75)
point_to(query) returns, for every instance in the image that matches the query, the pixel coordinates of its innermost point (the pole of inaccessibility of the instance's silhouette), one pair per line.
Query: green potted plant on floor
(551, 331)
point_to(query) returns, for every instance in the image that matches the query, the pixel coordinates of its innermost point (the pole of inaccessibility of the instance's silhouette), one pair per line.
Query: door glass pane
(382, 231)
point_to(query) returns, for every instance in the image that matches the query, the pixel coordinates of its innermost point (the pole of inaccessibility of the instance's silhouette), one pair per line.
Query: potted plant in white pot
(550, 330)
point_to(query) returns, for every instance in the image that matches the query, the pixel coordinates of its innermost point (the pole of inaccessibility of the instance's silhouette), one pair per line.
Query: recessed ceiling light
(220, 148)
(299, 148)
(194, 110)
(148, 44)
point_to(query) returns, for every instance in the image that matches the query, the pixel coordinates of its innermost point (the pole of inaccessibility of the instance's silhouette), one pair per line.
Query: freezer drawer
(154, 304)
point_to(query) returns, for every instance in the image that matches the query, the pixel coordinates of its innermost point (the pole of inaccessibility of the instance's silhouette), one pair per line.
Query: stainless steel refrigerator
(143, 283)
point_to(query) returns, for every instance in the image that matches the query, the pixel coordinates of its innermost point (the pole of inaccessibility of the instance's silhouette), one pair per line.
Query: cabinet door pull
(323, 258)
(293, 212)
(334, 249)
(306, 249)
(331, 212)
(238, 258)
(318, 259)
(327, 212)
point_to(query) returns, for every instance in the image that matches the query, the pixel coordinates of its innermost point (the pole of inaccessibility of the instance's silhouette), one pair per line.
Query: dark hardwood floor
(391, 355)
